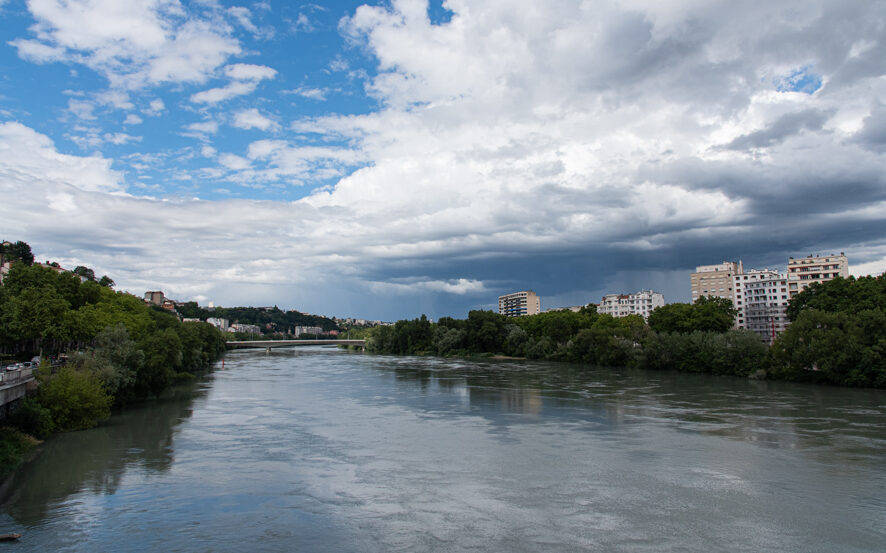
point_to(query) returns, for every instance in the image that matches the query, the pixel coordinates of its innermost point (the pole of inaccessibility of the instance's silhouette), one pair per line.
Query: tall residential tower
(519, 304)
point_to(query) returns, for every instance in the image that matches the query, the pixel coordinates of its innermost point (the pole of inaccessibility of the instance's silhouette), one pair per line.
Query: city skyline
(383, 160)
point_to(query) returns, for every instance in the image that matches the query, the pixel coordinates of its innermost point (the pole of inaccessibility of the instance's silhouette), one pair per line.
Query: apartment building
(814, 268)
(715, 280)
(621, 305)
(740, 283)
(154, 297)
(765, 305)
(518, 304)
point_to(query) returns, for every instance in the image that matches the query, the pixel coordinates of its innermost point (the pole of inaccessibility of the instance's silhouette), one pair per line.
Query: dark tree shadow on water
(97, 459)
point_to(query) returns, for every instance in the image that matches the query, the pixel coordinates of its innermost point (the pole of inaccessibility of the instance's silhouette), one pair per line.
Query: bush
(32, 418)
(75, 399)
(13, 447)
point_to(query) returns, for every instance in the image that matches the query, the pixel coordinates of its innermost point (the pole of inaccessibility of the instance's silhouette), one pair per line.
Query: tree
(673, 317)
(707, 314)
(106, 281)
(163, 355)
(114, 358)
(20, 251)
(713, 314)
(844, 295)
(85, 272)
(75, 399)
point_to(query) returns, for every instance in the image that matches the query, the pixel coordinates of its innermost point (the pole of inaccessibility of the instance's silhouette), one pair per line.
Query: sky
(386, 159)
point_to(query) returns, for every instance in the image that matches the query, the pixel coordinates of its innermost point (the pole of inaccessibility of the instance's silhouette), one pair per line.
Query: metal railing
(8, 378)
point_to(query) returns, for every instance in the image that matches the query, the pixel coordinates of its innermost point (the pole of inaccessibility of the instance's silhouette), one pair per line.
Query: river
(316, 449)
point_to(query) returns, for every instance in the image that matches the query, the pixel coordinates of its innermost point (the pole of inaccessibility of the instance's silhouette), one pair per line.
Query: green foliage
(19, 251)
(848, 349)
(85, 272)
(841, 295)
(75, 398)
(163, 357)
(33, 419)
(587, 337)
(270, 320)
(838, 334)
(14, 445)
(114, 358)
(707, 314)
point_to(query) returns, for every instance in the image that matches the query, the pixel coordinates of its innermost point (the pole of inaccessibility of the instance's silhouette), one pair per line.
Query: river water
(316, 449)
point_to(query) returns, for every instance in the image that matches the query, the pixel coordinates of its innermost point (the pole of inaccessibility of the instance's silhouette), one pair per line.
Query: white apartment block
(519, 304)
(765, 306)
(316, 330)
(221, 324)
(739, 283)
(811, 269)
(621, 305)
(715, 280)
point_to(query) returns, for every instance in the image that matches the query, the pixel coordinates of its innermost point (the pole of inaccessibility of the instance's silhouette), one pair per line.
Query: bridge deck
(286, 343)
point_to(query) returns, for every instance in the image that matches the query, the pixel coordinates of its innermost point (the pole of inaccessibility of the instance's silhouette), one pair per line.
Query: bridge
(268, 344)
(13, 387)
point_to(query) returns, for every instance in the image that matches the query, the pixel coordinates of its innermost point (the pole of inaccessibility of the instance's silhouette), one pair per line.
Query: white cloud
(27, 156)
(132, 119)
(555, 138)
(83, 109)
(133, 44)
(121, 138)
(234, 162)
(246, 79)
(249, 72)
(253, 119)
(318, 94)
(232, 90)
(155, 107)
(204, 127)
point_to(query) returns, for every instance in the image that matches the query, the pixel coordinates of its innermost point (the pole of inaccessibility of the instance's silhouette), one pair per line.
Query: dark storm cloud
(873, 133)
(785, 126)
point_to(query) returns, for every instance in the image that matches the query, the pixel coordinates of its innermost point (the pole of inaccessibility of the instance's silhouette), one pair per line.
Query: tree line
(119, 350)
(837, 336)
(270, 320)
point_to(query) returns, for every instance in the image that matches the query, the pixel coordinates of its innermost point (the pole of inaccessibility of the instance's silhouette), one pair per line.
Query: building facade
(621, 305)
(812, 268)
(740, 283)
(715, 280)
(154, 297)
(765, 306)
(519, 304)
(315, 330)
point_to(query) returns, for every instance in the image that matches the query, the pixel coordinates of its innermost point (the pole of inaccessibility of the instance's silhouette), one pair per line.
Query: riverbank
(15, 447)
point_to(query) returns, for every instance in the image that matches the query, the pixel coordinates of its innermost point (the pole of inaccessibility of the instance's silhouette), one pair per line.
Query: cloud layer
(573, 148)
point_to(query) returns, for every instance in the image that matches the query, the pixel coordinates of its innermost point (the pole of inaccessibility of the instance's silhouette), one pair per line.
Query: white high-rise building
(739, 283)
(765, 306)
(519, 304)
(621, 305)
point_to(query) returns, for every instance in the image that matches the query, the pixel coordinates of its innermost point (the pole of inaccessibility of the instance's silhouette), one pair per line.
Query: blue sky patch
(802, 79)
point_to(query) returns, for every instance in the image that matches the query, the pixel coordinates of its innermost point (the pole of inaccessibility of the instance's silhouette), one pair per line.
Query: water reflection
(96, 460)
(318, 450)
(775, 414)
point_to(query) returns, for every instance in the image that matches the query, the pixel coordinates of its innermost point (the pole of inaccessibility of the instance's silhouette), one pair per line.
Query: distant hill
(279, 320)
